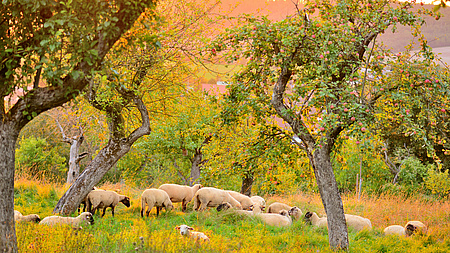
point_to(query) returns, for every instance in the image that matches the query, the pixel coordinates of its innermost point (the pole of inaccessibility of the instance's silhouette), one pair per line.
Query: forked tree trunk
(8, 138)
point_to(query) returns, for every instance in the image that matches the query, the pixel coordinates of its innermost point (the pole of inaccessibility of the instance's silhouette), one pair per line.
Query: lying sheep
(155, 197)
(256, 209)
(419, 226)
(185, 230)
(212, 197)
(18, 217)
(276, 207)
(279, 220)
(244, 200)
(259, 200)
(84, 218)
(103, 199)
(399, 230)
(295, 213)
(355, 222)
(223, 207)
(180, 193)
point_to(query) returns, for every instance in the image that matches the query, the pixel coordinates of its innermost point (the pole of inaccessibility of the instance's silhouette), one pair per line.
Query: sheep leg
(104, 210)
(143, 205)
(203, 206)
(112, 210)
(158, 208)
(150, 207)
(184, 204)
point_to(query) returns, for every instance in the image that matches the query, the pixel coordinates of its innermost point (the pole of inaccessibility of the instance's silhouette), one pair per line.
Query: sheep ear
(190, 228)
(177, 227)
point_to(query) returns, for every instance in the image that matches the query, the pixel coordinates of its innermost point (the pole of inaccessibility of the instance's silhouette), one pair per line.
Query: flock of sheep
(278, 214)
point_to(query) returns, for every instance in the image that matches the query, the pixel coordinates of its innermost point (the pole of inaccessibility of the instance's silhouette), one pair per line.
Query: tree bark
(197, 161)
(247, 183)
(8, 138)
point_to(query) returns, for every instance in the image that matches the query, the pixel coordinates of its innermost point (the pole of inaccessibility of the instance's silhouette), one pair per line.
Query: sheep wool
(276, 207)
(281, 219)
(244, 200)
(155, 198)
(18, 217)
(180, 193)
(83, 219)
(259, 200)
(212, 197)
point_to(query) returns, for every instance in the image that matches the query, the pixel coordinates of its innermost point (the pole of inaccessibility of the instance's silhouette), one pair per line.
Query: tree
(319, 73)
(50, 52)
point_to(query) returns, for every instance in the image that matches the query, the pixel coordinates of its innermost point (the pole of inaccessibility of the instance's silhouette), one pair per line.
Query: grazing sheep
(245, 201)
(212, 197)
(259, 200)
(103, 199)
(18, 217)
(85, 218)
(279, 220)
(419, 227)
(84, 202)
(399, 230)
(180, 193)
(357, 223)
(276, 207)
(155, 197)
(315, 220)
(185, 230)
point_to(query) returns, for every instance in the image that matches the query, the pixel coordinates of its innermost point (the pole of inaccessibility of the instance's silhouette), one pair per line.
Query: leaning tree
(320, 71)
(50, 51)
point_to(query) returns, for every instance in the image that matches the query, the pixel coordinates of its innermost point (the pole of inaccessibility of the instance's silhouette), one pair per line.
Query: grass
(228, 232)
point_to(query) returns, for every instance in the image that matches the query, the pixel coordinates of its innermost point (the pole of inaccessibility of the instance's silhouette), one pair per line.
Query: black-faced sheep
(18, 217)
(419, 227)
(399, 230)
(316, 220)
(180, 193)
(83, 219)
(244, 200)
(185, 230)
(295, 213)
(103, 199)
(212, 197)
(84, 202)
(155, 197)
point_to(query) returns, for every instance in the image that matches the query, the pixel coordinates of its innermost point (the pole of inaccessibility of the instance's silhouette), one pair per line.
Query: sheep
(419, 227)
(399, 230)
(180, 193)
(185, 230)
(212, 197)
(84, 202)
(357, 223)
(276, 207)
(85, 218)
(244, 200)
(256, 209)
(104, 199)
(223, 206)
(155, 197)
(18, 217)
(259, 200)
(280, 220)
(295, 213)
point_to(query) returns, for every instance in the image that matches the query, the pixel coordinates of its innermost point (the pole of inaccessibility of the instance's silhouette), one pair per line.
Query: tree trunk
(247, 182)
(74, 160)
(197, 161)
(8, 138)
(331, 199)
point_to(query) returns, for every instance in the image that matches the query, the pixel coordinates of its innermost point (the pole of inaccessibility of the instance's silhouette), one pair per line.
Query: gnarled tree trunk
(247, 183)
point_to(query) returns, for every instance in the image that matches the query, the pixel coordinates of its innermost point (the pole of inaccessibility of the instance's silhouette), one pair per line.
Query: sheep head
(184, 229)
(126, 201)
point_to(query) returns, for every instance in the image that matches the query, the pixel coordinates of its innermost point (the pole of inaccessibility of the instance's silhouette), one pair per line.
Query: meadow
(228, 232)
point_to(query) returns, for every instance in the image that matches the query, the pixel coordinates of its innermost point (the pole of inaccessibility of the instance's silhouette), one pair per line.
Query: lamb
(104, 199)
(259, 200)
(185, 230)
(212, 197)
(180, 193)
(399, 230)
(357, 223)
(244, 200)
(155, 197)
(280, 220)
(419, 226)
(84, 218)
(18, 217)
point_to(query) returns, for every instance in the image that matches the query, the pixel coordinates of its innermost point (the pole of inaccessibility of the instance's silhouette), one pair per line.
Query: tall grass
(228, 232)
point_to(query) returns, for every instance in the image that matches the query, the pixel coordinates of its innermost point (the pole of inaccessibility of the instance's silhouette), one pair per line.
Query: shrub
(438, 182)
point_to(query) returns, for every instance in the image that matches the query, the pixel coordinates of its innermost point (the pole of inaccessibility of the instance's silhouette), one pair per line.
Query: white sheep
(18, 217)
(185, 230)
(419, 227)
(212, 197)
(399, 230)
(276, 207)
(244, 200)
(280, 220)
(256, 209)
(155, 198)
(295, 213)
(84, 218)
(180, 193)
(355, 222)
(259, 200)
(103, 199)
